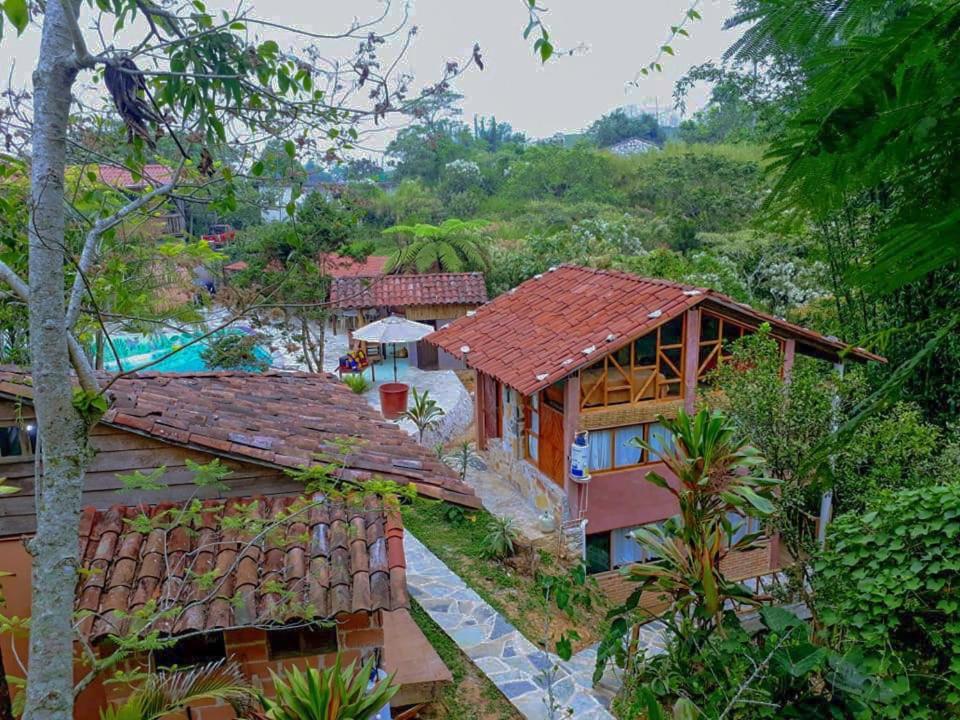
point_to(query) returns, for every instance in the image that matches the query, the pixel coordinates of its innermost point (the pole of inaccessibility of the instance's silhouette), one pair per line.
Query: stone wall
(532, 484)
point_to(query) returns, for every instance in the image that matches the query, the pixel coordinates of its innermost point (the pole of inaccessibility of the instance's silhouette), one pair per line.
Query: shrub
(356, 382)
(888, 585)
(425, 413)
(334, 693)
(500, 541)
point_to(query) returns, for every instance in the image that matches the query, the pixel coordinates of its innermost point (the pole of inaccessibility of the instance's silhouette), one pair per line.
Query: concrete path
(514, 664)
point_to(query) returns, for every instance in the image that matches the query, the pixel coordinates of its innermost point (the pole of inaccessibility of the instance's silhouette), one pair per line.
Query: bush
(356, 382)
(500, 540)
(888, 585)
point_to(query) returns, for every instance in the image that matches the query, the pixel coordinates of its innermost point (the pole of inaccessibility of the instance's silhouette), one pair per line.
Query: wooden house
(435, 299)
(344, 562)
(607, 352)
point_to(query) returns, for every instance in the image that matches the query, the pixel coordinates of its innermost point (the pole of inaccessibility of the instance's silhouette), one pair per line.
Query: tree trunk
(63, 432)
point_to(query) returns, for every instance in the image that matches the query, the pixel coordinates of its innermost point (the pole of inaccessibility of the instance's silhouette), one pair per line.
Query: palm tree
(453, 246)
(168, 692)
(425, 413)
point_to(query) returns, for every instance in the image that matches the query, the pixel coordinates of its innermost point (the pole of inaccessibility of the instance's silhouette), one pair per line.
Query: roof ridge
(627, 275)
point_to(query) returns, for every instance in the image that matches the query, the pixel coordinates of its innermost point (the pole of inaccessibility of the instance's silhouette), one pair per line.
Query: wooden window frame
(661, 360)
(27, 453)
(718, 351)
(528, 413)
(645, 461)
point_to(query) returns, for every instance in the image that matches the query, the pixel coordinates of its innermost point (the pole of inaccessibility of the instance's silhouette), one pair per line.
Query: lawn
(471, 696)
(510, 587)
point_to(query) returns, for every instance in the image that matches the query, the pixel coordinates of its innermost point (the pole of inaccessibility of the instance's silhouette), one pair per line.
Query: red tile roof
(237, 266)
(408, 290)
(288, 559)
(336, 265)
(555, 323)
(275, 418)
(120, 177)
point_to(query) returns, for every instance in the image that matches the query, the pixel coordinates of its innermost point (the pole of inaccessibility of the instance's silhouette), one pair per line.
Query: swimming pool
(136, 350)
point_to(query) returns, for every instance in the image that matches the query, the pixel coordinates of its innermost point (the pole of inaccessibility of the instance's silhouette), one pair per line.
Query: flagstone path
(514, 664)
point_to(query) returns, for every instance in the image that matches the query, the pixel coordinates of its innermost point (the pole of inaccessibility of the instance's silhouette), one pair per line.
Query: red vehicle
(219, 235)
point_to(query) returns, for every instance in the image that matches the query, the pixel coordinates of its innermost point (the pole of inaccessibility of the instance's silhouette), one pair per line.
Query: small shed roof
(319, 560)
(408, 290)
(566, 318)
(336, 265)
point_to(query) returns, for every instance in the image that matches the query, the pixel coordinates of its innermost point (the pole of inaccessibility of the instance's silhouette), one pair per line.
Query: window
(650, 368)
(18, 441)
(716, 334)
(742, 526)
(299, 641)
(532, 425)
(598, 552)
(193, 650)
(613, 448)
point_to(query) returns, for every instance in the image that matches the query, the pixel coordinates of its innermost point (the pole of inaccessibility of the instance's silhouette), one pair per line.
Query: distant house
(169, 219)
(344, 562)
(337, 266)
(633, 146)
(432, 298)
(578, 349)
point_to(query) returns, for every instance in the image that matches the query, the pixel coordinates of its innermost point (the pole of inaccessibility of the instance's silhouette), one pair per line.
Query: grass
(514, 594)
(471, 696)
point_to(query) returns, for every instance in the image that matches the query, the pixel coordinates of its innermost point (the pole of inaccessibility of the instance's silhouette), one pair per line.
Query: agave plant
(165, 693)
(334, 693)
(357, 383)
(425, 413)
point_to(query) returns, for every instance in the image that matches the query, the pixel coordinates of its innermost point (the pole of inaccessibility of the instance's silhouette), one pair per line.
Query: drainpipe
(826, 500)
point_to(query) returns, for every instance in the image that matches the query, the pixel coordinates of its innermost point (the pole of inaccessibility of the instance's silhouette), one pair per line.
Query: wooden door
(427, 356)
(491, 403)
(551, 443)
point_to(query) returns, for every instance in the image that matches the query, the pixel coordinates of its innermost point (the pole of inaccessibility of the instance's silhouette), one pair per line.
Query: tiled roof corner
(408, 290)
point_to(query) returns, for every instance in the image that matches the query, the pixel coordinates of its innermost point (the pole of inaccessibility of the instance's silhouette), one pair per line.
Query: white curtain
(660, 439)
(624, 452)
(626, 550)
(600, 457)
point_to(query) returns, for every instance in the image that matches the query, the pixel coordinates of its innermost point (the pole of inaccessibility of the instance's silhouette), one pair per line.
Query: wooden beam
(691, 356)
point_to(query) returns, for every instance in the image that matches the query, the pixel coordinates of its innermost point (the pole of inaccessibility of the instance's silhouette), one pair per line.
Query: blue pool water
(138, 350)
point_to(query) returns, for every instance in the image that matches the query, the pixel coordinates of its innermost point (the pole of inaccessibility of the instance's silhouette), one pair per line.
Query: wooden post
(789, 352)
(571, 420)
(691, 359)
(478, 409)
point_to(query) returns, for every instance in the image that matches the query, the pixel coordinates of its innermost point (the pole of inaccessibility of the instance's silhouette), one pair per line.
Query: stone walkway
(514, 664)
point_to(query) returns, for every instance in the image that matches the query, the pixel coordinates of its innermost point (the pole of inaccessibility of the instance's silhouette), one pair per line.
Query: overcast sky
(618, 36)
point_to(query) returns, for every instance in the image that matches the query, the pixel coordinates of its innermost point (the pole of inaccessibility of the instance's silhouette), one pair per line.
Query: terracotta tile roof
(555, 323)
(317, 561)
(119, 177)
(237, 266)
(408, 290)
(278, 419)
(344, 266)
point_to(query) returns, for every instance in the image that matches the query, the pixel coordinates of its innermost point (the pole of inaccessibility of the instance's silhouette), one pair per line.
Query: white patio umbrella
(393, 330)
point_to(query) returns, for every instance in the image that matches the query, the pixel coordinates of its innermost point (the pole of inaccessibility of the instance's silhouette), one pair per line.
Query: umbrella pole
(394, 362)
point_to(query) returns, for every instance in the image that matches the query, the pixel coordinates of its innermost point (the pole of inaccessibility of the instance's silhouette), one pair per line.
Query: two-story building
(577, 349)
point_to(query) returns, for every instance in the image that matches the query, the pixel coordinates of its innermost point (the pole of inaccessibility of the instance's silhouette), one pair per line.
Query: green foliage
(165, 693)
(425, 413)
(617, 125)
(333, 693)
(887, 586)
(357, 383)
(781, 672)
(571, 591)
(453, 246)
(893, 450)
(500, 541)
(717, 473)
(234, 351)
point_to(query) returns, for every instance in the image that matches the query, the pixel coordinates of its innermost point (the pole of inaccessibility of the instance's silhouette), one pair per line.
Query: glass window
(645, 349)
(622, 356)
(709, 328)
(730, 331)
(192, 650)
(299, 641)
(624, 452)
(533, 447)
(10, 441)
(626, 550)
(672, 332)
(671, 370)
(660, 439)
(600, 456)
(598, 552)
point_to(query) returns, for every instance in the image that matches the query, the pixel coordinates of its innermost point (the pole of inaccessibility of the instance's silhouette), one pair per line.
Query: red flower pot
(393, 399)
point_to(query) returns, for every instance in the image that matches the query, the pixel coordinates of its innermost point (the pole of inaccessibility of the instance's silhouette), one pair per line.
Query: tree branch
(83, 58)
(91, 244)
